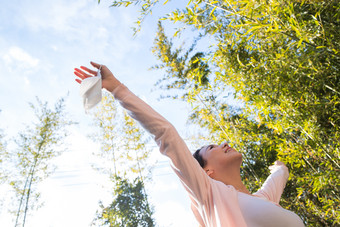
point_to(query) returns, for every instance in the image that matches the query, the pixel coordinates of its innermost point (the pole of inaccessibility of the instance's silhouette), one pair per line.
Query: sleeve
(274, 185)
(193, 177)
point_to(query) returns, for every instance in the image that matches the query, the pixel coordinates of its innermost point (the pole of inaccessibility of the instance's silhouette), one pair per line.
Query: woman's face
(221, 158)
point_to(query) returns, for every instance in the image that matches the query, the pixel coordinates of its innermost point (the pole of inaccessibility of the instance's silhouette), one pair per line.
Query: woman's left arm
(274, 185)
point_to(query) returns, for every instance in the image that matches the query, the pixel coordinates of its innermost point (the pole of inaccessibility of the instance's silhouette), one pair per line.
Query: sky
(41, 42)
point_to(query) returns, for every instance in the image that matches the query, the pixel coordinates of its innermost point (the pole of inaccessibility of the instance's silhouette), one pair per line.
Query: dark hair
(199, 158)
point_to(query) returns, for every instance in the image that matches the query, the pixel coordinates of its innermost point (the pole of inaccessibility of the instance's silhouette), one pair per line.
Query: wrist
(113, 85)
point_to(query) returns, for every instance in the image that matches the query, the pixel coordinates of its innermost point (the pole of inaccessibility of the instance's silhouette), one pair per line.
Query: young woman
(213, 180)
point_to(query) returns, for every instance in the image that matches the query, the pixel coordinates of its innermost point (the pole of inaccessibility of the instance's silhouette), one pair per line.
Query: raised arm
(167, 138)
(274, 185)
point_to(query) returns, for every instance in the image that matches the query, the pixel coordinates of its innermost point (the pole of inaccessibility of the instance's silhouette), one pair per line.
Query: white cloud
(26, 80)
(80, 20)
(54, 47)
(57, 16)
(18, 56)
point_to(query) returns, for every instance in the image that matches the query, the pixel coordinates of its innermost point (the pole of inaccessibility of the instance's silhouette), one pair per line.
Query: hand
(279, 163)
(109, 81)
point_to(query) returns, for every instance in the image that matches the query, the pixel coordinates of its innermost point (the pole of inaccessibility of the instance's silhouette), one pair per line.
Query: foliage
(281, 59)
(30, 163)
(130, 207)
(123, 146)
(105, 119)
(123, 141)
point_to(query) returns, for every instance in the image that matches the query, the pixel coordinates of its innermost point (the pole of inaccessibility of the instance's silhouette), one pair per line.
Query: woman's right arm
(166, 136)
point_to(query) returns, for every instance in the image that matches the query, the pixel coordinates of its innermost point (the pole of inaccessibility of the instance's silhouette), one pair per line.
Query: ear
(210, 172)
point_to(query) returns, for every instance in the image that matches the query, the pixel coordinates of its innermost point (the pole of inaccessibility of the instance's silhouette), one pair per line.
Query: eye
(210, 147)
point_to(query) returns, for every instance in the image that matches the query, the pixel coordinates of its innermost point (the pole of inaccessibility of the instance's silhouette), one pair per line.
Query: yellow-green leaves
(281, 58)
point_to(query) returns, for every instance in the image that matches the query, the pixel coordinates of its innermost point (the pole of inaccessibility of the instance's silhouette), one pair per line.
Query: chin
(234, 159)
(241, 158)
(238, 158)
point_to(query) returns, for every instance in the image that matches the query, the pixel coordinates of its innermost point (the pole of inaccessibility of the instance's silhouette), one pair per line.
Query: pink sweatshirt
(213, 202)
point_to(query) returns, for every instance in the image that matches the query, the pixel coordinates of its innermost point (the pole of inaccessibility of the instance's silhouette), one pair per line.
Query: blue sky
(40, 44)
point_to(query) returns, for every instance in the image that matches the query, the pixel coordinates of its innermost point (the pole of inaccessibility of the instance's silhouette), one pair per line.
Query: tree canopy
(280, 60)
(130, 208)
(30, 162)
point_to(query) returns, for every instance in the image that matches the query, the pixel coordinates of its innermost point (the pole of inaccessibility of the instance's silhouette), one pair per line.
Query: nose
(224, 145)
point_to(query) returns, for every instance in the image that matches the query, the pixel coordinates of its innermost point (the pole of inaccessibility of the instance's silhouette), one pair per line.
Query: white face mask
(91, 91)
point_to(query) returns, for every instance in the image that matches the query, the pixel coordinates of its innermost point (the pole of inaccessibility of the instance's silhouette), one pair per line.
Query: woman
(213, 180)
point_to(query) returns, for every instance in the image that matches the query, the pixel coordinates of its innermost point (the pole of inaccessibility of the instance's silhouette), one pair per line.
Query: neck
(236, 181)
(239, 186)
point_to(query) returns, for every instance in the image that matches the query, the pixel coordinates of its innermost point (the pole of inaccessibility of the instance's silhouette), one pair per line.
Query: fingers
(85, 72)
(88, 70)
(96, 65)
(279, 163)
(81, 74)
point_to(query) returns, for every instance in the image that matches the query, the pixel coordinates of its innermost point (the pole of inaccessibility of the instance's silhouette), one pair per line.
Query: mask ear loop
(98, 73)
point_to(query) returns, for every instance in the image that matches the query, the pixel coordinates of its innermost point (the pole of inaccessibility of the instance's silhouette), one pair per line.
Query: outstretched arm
(274, 185)
(166, 136)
